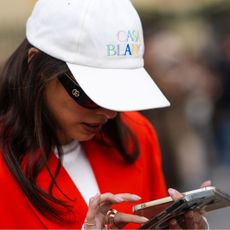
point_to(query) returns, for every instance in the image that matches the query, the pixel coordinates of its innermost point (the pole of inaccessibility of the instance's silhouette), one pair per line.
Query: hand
(192, 219)
(99, 205)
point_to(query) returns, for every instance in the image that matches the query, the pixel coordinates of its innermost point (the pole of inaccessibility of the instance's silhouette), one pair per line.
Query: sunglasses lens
(76, 92)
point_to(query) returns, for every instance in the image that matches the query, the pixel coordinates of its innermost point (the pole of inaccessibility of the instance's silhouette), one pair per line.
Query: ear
(32, 51)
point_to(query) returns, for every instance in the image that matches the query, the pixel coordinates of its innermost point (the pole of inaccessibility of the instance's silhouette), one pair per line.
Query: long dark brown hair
(27, 128)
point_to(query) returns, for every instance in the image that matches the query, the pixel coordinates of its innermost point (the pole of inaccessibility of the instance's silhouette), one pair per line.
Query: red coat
(143, 178)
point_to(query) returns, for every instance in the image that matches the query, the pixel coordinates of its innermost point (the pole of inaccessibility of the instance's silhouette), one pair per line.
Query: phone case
(206, 199)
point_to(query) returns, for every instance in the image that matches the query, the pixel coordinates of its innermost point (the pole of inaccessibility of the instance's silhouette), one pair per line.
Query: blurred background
(187, 51)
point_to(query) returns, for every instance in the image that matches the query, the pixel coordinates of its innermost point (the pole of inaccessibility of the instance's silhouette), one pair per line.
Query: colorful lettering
(129, 43)
(135, 48)
(128, 50)
(111, 50)
(121, 36)
(136, 35)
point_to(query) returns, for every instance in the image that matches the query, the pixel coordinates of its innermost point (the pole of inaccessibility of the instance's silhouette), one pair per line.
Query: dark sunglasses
(76, 92)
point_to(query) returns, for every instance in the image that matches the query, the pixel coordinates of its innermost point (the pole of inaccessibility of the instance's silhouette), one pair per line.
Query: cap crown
(97, 33)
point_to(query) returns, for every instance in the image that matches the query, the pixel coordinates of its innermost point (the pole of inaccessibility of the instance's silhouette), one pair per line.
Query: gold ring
(110, 216)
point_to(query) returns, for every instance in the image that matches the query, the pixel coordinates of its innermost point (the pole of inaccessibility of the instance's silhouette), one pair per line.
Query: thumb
(174, 194)
(206, 183)
(90, 221)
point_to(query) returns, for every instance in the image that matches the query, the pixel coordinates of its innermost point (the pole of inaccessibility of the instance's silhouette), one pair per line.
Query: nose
(109, 114)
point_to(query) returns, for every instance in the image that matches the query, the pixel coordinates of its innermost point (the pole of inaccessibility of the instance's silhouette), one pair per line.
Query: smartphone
(161, 211)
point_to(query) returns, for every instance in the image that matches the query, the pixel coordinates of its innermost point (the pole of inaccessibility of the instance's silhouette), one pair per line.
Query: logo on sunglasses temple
(75, 93)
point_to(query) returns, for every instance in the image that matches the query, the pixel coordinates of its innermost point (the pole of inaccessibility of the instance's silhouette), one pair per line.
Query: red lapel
(68, 187)
(112, 173)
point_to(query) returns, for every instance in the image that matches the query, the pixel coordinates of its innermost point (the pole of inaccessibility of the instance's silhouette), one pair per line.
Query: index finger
(118, 198)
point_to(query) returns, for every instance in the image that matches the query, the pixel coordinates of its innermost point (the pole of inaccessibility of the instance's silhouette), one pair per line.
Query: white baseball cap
(101, 42)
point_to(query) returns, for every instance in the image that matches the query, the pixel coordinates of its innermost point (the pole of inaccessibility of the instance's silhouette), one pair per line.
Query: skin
(72, 119)
(100, 204)
(192, 220)
(75, 122)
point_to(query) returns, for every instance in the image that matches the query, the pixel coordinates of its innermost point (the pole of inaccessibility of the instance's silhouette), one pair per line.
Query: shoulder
(134, 119)
(6, 178)
(9, 187)
(138, 123)
(146, 136)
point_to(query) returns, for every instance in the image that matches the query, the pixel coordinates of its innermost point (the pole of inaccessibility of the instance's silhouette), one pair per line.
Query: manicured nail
(94, 197)
(172, 192)
(143, 219)
(97, 195)
(208, 182)
(136, 197)
(119, 198)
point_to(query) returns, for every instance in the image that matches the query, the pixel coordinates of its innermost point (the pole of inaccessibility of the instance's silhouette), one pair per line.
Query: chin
(86, 137)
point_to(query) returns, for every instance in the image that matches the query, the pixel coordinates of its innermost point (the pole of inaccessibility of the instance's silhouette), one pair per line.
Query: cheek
(68, 115)
(62, 107)
(70, 125)
(64, 112)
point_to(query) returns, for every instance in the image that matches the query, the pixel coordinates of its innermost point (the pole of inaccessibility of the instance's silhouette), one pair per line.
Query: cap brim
(119, 89)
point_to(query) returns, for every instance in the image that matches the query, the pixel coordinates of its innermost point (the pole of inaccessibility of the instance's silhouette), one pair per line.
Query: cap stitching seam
(83, 21)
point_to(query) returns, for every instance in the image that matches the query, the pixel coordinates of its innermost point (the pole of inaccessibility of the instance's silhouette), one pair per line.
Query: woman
(64, 137)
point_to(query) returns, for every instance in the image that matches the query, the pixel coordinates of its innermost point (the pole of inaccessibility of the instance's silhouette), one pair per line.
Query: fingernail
(94, 197)
(172, 192)
(119, 198)
(97, 195)
(136, 197)
(143, 219)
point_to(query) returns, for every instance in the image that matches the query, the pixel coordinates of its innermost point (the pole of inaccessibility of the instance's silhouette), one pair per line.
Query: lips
(92, 127)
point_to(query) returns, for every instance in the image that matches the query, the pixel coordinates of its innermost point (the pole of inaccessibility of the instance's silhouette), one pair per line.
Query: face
(73, 120)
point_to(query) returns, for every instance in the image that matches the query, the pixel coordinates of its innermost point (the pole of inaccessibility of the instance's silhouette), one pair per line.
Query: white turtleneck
(79, 169)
